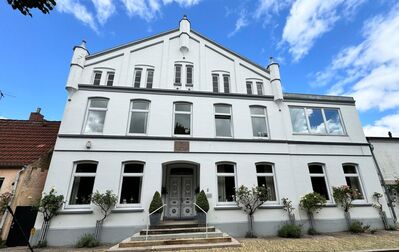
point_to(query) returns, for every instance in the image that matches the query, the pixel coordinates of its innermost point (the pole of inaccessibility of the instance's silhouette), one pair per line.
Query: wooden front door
(180, 197)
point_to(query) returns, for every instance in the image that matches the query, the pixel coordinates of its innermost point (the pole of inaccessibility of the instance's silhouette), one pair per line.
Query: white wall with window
(182, 123)
(131, 184)
(226, 183)
(82, 182)
(223, 120)
(95, 115)
(259, 121)
(254, 86)
(266, 177)
(139, 116)
(143, 76)
(183, 74)
(319, 181)
(353, 179)
(221, 82)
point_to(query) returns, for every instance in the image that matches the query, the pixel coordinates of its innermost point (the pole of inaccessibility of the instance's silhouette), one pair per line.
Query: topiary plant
(202, 201)
(312, 203)
(156, 203)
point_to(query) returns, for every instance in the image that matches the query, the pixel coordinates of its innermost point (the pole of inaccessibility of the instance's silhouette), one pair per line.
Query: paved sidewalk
(326, 242)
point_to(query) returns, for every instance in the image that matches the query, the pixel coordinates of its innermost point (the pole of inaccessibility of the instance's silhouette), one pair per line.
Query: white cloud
(310, 19)
(146, 10)
(104, 9)
(78, 10)
(183, 3)
(241, 22)
(382, 126)
(268, 7)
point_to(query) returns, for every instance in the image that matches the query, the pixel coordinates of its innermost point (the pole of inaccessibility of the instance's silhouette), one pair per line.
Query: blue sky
(339, 47)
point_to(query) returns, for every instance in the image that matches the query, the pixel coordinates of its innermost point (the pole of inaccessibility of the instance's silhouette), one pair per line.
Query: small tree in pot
(106, 202)
(156, 203)
(312, 203)
(344, 195)
(203, 203)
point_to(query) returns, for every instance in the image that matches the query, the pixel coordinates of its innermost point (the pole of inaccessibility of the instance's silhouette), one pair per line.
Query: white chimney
(184, 28)
(275, 81)
(77, 64)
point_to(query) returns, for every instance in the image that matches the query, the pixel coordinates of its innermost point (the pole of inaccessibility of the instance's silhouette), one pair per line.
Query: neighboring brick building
(25, 152)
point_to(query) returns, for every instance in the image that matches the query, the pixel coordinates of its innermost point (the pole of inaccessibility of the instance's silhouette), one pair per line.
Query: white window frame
(181, 74)
(324, 175)
(88, 109)
(249, 84)
(224, 84)
(94, 77)
(217, 83)
(182, 112)
(192, 74)
(148, 70)
(358, 175)
(267, 174)
(113, 80)
(123, 174)
(137, 69)
(324, 121)
(224, 114)
(224, 203)
(262, 88)
(260, 116)
(141, 111)
(80, 174)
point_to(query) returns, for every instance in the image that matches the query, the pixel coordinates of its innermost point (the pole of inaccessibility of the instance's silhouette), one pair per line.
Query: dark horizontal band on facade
(287, 96)
(206, 139)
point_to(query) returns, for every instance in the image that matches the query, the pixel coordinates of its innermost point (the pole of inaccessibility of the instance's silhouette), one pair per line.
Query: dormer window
(150, 77)
(137, 77)
(110, 78)
(178, 74)
(97, 78)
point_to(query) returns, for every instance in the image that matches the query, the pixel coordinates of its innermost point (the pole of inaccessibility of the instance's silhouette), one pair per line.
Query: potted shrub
(156, 203)
(203, 203)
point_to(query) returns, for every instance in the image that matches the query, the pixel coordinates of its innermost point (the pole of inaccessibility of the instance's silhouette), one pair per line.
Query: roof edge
(316, 97)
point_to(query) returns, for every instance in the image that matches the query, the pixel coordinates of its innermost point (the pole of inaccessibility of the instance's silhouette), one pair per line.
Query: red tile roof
(24, 141)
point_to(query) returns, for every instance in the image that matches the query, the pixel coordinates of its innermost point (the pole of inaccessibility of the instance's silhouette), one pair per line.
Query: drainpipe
(382, 181)
(14, 188)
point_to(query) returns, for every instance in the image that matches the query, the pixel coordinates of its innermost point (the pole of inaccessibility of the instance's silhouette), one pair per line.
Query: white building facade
(177, 113)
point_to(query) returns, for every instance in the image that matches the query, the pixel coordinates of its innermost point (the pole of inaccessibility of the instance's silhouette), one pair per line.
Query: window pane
(257, 110)
(259, 126)
(189, 71)
(110, 79)
(249, 87)
(137, 78)
(1, 182)
(215, 83)
(225, 168)
(133, 168)
(223, 126)
(259, 87)
(316, 169)
(354, 182)
(226, 82)
(142, 105)
(131, 190)
(86, 168)
(95, 121)
(319, 186)
(182, 124)
(97, 78)
(82, 189)
(177, 74)
(226, 189)
(224, 109)
(98, 103)
(298, 120)
(333, 121)
(183, 107)
(268, 182)
(316, 121)
(264, 168)
(350, 169)
(150, 77)
(138, 122)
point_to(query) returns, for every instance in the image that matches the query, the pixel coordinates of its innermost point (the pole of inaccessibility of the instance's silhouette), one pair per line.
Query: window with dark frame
(82, 183)
(215, 83)
(97, 78)
(318, 180)
(137, 77)
(178, 74)
(226, 83)
(139, 116)
(265, 177)
(131, 185)
(249, 87)
(189, 75)
(182, 118)
(226, 182)
(259, 88)
(352, 179)
(150, 77)
(110, 78)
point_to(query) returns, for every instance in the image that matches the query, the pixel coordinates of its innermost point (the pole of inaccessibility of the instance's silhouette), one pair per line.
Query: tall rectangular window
(95, 118)
(265, 177)
(352, 178)
(110, 78)
(97, 78)
(226, 83)
(226, 182)
(318, 179)
(223, 120)
(249, 87)
(132, 179)
(82, 183)
(182, 122)
(215, 83)
(139, 116)
(150, 77)
(178, 74)
(189, 75)
(137, 77)
(258, 118)
(259, 88)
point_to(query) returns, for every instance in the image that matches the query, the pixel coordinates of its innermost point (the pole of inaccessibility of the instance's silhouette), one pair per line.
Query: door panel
(174, 197)
(180, 197)
(187, 208)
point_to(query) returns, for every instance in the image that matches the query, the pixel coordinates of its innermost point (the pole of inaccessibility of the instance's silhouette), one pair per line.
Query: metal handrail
(206, 219)
(148, 220)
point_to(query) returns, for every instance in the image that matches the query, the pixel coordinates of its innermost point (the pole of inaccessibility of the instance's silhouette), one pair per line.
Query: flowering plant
(344, 195)
(312, 202)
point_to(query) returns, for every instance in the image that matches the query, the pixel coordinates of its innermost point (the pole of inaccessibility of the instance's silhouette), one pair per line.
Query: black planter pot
(201, 217)
(155, 219)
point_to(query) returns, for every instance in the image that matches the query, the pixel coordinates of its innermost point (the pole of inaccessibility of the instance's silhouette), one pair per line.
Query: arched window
(352, 178)
(223, 120)
(131, 183)
(226, 182)
(139, 110)
(95, 115)
(83, 177)
(318, 180)
(266, 177)
(258, 118)
(182, 118)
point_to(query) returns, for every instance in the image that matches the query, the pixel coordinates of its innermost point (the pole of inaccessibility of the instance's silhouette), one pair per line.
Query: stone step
(177, 230)
(176, 225)
(138, 237)
(185, 241)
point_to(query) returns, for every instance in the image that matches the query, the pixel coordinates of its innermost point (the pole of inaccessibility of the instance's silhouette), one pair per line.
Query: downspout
(14, 188)
(382, 181)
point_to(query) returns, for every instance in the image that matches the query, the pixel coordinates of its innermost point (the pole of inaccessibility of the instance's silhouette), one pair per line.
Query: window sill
(330, 205)
(271, 207)
(177, 84)
(127, 210)
(362, 204)
(227, 208)
(76, 211)
(189, 85)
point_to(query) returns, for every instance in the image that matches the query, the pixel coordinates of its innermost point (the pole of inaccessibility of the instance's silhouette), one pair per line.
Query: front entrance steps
(176, 235)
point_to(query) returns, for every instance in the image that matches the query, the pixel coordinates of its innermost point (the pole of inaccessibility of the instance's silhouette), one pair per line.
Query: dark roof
(24, 141)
